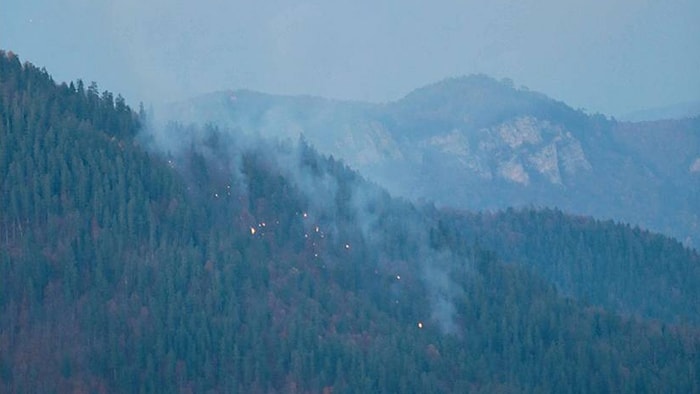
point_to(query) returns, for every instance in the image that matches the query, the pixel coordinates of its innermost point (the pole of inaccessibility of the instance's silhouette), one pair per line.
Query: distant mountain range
(481, 144)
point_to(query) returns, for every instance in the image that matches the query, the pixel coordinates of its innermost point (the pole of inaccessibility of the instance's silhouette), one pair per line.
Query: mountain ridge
(477, 143)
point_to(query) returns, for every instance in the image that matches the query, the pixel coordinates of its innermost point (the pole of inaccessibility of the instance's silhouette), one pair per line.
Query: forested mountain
(624, 269)
(477, 143)
(224, 263)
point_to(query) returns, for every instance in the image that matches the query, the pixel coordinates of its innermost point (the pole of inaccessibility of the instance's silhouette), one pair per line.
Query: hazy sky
(606, 56)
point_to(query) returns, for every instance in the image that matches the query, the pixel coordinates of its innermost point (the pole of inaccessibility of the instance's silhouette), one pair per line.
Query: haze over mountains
(689, 109)
(246, 242)
(477, 143)
(202, 259)
(613, 57)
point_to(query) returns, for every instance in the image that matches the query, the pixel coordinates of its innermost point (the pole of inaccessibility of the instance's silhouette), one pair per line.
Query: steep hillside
(477, 143)
(629, 270)
(229, 264)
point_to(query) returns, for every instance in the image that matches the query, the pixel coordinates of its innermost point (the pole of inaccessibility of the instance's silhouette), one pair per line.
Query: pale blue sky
(611, 56)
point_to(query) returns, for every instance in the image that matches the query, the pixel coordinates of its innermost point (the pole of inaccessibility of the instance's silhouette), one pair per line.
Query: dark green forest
(623, 269)
(223, 264)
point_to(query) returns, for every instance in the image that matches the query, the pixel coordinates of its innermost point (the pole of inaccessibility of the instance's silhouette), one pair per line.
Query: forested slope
(229, 265)
(611, 265)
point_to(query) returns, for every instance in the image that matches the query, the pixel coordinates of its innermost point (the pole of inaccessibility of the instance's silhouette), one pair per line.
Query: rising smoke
(339, 209)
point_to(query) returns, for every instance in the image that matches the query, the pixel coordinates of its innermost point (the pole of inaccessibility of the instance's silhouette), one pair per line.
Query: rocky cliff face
(516, 151)
(477, 143)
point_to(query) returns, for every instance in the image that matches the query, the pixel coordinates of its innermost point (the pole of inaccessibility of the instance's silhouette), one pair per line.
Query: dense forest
(628, 270)
(194, 259)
